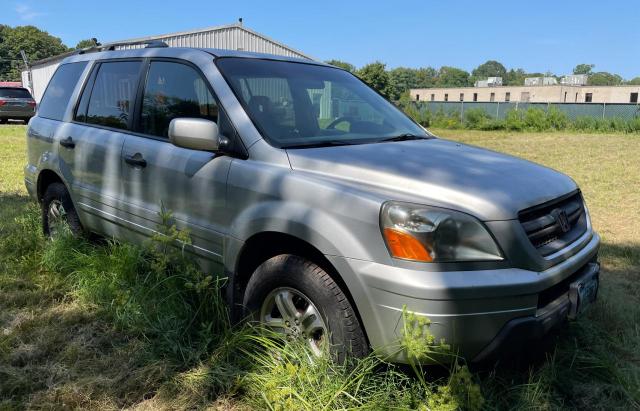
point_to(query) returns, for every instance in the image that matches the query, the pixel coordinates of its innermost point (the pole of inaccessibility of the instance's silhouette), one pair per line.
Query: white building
(230, 37)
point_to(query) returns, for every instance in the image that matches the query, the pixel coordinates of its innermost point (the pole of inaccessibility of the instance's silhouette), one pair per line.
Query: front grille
(554, 225)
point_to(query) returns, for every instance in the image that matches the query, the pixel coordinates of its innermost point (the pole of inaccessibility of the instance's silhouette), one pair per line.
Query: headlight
(432, 234)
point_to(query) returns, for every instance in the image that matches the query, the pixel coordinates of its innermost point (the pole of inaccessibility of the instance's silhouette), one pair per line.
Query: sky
(538, 36)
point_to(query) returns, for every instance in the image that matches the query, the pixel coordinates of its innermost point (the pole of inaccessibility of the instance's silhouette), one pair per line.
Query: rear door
(191, 184)
(93, 142)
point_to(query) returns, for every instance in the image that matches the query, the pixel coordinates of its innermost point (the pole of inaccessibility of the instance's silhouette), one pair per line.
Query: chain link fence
(573, 111)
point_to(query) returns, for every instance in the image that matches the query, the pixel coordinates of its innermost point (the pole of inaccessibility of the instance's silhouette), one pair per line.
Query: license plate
(582, 293)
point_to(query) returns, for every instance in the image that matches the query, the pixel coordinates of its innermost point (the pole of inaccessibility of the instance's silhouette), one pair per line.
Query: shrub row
(532, 119)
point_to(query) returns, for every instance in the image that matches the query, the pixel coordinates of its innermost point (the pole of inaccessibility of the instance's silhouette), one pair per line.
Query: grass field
(109, 326)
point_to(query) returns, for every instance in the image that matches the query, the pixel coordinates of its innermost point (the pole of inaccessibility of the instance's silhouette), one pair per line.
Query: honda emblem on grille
(562, 219)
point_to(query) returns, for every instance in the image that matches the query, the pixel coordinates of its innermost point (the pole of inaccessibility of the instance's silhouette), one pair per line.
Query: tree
(376, 76)
(583, 69)
(514, 77)
(83, 44)
(491, 68)
(36, 43)
(452, 77)
(634, 81)
(402, 79)
(426, 77)
(603, 78)
(343, 65)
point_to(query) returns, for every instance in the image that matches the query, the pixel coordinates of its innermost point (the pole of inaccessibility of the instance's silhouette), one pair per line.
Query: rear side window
(174, 90)
(56, 97)
(14, 93)
(111, 99)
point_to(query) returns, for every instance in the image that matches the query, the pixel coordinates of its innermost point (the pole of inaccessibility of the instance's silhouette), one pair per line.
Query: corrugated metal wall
(232, 37)
(228, 38)
(40, 76)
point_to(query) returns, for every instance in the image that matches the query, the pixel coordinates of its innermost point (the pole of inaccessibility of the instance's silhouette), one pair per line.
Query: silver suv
(326, 207)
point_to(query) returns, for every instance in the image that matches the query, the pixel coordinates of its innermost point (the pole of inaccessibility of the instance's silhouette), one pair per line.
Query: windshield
(14, 92)
(301, 105)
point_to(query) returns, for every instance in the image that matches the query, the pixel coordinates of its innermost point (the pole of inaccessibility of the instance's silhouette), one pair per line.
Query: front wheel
(58, 212)
(296, 297)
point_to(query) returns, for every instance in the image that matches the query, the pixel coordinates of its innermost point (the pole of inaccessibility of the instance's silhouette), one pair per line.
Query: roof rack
(112, 46)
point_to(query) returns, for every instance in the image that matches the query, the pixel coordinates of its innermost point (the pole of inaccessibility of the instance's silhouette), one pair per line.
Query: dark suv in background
(16, 103)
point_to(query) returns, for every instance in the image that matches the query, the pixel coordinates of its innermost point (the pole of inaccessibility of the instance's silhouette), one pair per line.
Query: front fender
(315, 226)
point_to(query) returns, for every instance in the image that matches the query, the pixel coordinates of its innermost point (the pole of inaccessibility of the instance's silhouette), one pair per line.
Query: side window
(174, 90)
(112, 96)
(56, 97)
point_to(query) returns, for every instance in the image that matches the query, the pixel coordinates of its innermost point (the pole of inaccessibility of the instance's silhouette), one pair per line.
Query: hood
(489, 185)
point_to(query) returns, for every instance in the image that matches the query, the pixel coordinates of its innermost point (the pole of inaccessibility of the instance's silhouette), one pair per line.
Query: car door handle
(68, 143)
(136, 160)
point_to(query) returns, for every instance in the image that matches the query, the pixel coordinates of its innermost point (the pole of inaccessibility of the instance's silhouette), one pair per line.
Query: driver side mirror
(196, 134)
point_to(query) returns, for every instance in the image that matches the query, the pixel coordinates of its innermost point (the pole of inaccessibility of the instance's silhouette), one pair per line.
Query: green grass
(111, 326)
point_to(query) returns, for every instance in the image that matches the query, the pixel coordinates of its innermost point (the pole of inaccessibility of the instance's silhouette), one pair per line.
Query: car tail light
(3, 102)
(32, 103)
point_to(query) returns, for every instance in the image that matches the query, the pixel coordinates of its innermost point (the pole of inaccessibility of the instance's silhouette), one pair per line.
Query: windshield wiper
(404, 137)
(330, 143)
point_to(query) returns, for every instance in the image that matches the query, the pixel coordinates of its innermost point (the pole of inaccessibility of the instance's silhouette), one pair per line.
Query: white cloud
(26, 13)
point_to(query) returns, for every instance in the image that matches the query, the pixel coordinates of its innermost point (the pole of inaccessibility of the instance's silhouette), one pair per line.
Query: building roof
(137, 42)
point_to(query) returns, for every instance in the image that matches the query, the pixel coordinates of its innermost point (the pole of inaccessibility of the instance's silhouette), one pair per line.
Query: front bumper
(468, 309)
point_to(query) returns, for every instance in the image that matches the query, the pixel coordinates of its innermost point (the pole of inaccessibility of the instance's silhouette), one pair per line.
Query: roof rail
(112, 46)
(156, 44)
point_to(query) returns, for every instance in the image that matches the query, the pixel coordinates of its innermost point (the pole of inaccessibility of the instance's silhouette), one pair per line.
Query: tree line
(396, 82)
(37, 45)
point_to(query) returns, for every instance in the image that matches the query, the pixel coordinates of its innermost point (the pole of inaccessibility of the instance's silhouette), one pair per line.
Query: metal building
(231, 37)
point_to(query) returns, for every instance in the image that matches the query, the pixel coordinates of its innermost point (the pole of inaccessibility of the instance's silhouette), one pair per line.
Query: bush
(531, 119)
(514, 120)
(476, 118)
(535, 119)
(556, 119)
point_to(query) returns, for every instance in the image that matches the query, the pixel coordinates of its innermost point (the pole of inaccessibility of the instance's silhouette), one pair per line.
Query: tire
(3, 121)
(56, 194)
(296, 275)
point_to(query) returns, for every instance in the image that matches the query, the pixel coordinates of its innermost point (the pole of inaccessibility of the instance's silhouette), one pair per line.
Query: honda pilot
(328, 209)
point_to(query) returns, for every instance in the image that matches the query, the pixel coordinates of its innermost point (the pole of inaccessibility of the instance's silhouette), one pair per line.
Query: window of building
(475, 96)
(576, 97)
(633, 98)
(56, 98)
(461, 96)
(507, 96)
(565, 96)
(174, 90)
(111, 98)
(417, 97)
(588, 97)
(433, 97)
(492, 97)
(446, 97)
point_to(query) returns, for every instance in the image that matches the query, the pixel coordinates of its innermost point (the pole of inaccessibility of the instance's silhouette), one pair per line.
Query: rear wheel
(58, 212)
(3, 121)
(297, 298)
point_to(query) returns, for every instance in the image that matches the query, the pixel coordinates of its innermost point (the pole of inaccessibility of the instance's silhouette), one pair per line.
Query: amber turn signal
(403, 245)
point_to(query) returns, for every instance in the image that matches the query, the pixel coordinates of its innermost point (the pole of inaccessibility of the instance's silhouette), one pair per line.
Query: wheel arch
(267, 244)
(45, 178)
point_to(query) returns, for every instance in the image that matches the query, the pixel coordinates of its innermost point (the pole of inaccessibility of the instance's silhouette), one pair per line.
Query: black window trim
(241, 150)
(91, 80)
(86, 63)
(141, 87)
